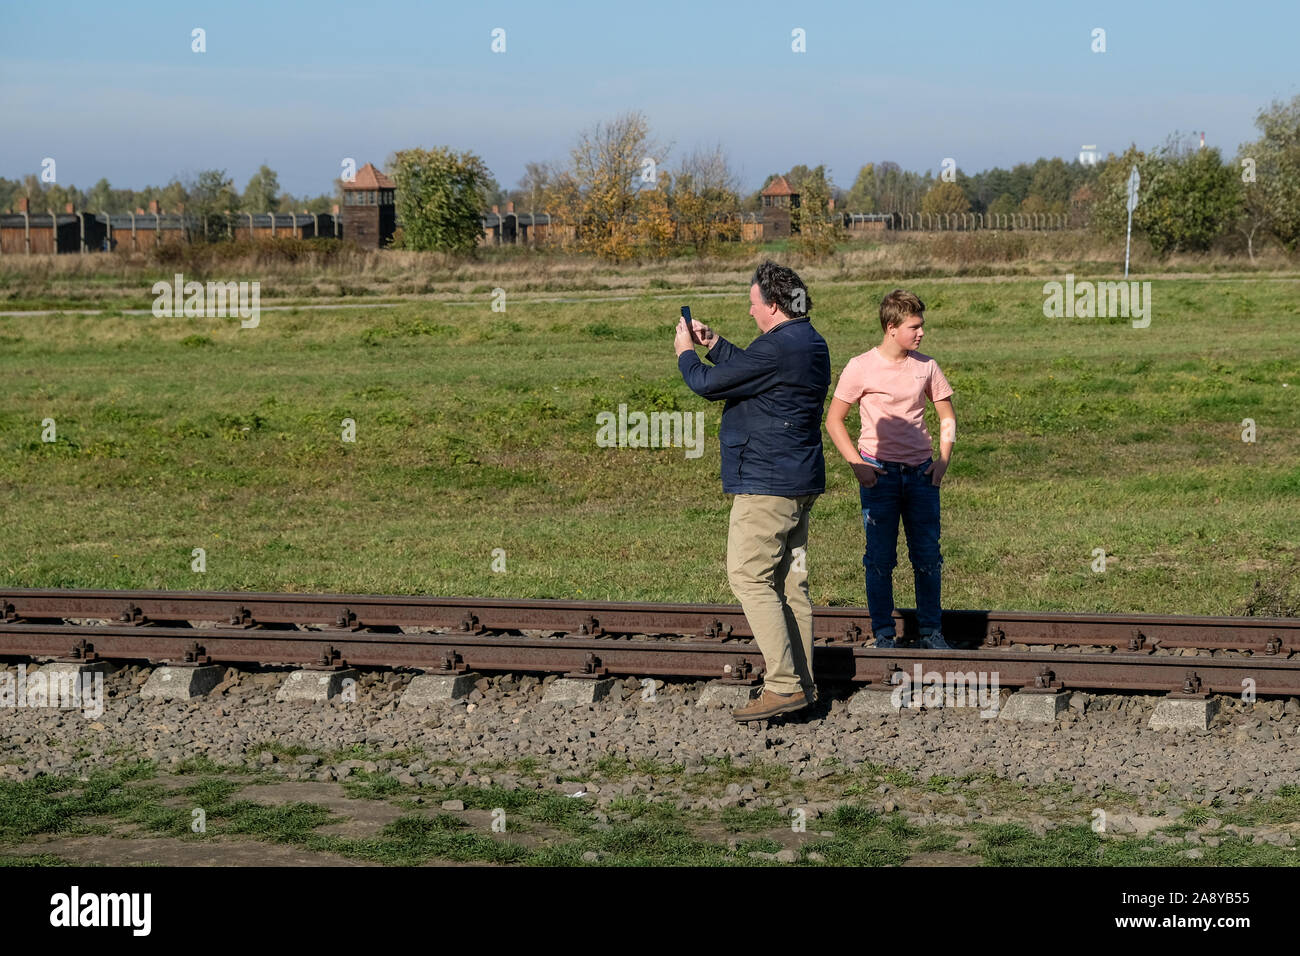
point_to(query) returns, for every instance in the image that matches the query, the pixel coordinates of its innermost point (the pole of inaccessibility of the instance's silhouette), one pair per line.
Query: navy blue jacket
(771, 432)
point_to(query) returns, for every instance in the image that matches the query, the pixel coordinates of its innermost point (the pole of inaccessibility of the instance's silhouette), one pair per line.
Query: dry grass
(291, 270)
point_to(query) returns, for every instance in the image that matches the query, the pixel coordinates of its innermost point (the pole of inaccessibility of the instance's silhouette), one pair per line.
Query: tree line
(262, 194)
(617, 195)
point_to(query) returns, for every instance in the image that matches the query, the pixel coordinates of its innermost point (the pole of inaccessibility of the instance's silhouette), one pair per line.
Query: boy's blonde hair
(897, 306)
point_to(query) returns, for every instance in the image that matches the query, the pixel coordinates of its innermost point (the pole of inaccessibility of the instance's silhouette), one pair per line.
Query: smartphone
(686, 314)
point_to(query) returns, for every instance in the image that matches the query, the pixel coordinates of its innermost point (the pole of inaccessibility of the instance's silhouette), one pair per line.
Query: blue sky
(114, 89)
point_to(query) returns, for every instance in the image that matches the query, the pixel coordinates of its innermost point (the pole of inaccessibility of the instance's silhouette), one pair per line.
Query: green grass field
(476, 430)
(545, 828)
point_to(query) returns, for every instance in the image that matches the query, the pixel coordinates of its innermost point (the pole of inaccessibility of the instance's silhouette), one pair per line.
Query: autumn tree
(532, 187)
(705, 198)
(945, 198)
(615, 190)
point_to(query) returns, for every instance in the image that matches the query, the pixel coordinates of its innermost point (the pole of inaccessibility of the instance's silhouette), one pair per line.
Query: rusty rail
(1130, 651)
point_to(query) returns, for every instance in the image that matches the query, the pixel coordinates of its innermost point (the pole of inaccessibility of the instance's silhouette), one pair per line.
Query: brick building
(515, 228)
(25, 232)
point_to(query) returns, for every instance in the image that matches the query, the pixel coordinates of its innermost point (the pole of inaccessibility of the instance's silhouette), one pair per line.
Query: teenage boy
(894, 464)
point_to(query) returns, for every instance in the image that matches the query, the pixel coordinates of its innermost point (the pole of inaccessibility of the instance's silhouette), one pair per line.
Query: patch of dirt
(365, 818)
(942, 858)
(156, 851)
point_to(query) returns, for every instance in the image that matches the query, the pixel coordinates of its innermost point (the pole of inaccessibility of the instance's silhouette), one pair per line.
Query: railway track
(1140, 652)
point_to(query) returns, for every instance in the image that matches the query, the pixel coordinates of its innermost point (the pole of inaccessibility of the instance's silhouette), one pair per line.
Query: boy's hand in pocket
(866, 473)
(936, 471)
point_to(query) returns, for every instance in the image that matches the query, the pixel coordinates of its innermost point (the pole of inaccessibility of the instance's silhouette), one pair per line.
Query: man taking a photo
(772, 462)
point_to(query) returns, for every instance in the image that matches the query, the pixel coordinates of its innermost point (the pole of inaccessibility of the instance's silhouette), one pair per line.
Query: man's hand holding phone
(689, 332)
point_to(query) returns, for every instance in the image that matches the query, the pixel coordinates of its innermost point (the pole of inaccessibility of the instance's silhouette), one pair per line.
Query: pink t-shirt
(891, 402)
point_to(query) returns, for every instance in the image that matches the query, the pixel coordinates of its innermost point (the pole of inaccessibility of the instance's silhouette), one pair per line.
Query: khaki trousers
(771, 582)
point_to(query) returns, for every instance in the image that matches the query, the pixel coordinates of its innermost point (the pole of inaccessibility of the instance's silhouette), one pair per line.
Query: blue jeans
(902, 491)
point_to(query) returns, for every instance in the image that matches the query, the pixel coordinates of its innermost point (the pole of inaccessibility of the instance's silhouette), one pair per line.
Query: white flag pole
(1133, 181)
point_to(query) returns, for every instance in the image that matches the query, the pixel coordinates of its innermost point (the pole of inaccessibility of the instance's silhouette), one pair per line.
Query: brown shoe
(769, 704)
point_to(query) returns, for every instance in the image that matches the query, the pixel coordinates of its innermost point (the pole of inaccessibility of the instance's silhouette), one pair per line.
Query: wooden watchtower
(369, 212)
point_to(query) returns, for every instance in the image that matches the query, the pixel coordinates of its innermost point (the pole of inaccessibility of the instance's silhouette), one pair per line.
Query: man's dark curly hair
(783, 288)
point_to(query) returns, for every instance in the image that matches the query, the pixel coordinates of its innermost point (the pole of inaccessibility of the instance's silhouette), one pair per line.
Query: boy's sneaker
(886, 642)
(934, 642)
